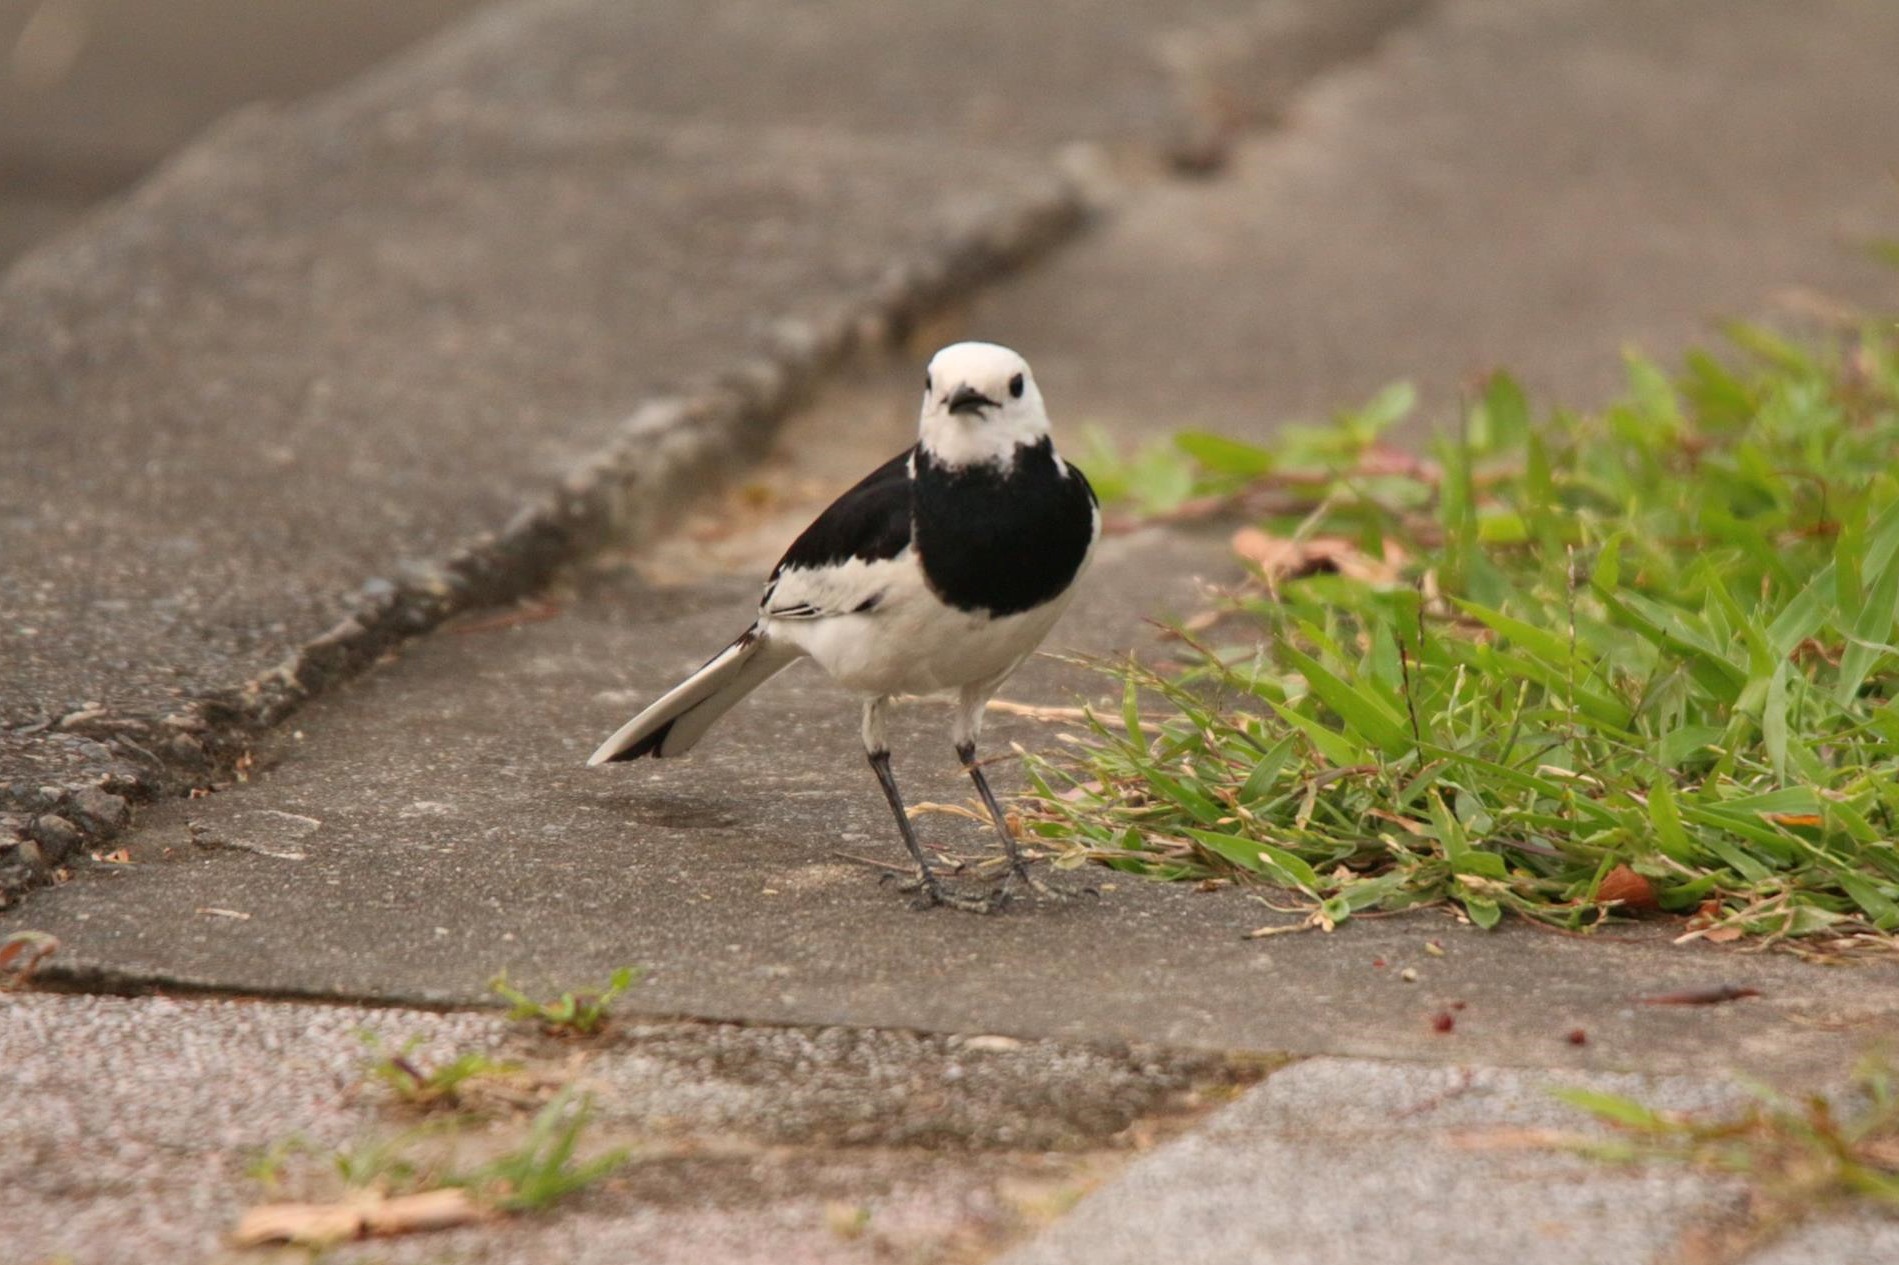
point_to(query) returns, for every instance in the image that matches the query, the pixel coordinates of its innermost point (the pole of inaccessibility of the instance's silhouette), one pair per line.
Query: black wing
(869, 523)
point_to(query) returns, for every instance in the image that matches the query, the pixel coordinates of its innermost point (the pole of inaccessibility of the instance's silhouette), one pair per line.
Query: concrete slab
(1870, 1238)
(773, 1144)
(410, 861)
(1344, 1160)
(315, 389)
(330, 374)
(93, 96)
(1532, 185)
(1113, 73)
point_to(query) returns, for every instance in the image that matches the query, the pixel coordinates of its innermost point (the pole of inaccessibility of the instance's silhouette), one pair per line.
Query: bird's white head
(980, 404)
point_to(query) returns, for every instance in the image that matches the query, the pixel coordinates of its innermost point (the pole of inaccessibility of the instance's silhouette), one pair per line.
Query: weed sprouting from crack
(1799, 1157)
(451, 1084)
(573, 1014)
(412, 1180)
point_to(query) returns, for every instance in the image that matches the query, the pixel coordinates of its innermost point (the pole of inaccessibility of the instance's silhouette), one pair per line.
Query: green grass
(1799, 1157)
(540, 1169)
(543, 1169)
(572, 1014)
(443, 1085)
(1565, 665)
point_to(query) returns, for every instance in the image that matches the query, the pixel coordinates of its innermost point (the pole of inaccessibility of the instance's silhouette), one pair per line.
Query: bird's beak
(970, 400)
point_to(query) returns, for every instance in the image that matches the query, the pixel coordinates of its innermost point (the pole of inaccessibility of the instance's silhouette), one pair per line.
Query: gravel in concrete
(1345, 1160)
(1862, 1239)
(145, 1136)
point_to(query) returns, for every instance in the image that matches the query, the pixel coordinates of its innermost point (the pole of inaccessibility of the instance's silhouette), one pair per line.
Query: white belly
(914, 644)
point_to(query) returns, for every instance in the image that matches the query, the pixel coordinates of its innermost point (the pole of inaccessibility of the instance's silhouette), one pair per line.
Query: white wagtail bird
(941, 571)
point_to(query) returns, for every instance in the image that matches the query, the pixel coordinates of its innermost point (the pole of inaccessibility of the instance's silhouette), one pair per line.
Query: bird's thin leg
(933, 890)
(967, 725)
(966, 752)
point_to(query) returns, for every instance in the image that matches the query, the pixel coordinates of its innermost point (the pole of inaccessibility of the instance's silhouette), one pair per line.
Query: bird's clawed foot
(931, 893)
(1047, 891)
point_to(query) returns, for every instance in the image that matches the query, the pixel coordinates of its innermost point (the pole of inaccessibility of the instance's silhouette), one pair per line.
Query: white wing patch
(855, 587)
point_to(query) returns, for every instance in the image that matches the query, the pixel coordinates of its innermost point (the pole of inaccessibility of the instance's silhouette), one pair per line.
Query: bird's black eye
(1016, 384)
(927, 388)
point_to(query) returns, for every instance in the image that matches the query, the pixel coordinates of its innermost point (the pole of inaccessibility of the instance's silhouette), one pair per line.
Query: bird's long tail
(681, 717)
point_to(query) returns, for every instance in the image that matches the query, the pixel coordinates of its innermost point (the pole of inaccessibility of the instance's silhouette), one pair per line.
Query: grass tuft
(542, 1170)
(1566, 667)
(572, 1014)
(443, 1085)
(1799, 1157)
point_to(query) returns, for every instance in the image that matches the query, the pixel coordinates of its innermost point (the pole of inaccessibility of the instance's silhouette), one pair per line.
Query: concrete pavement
(439, 811)
(93, 96)
(1452, 1167)
(343, 369)
(1538, 184)
(1535, 185)
(753, 1143)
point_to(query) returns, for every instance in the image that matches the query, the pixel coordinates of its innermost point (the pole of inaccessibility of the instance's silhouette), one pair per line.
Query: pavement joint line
(97, 980)
(622, 1019)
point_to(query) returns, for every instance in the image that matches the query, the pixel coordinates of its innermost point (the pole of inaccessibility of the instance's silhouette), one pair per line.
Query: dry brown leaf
(1060, 715)
(949, 810)
(1625, 885)
(1881, 1151)
(1513, 1139)
(1283, 558)
(1260, 933)
(1706, 924)
(317, 1225)
(21, 953)
(1707, 912)
(1411, 825)
(1380, 459)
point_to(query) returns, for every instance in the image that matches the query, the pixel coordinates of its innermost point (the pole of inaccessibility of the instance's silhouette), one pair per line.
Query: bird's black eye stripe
(1016, 384)
(927, 387)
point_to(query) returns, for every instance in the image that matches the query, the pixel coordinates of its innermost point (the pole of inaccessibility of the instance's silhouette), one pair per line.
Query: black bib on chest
(1002, 540)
